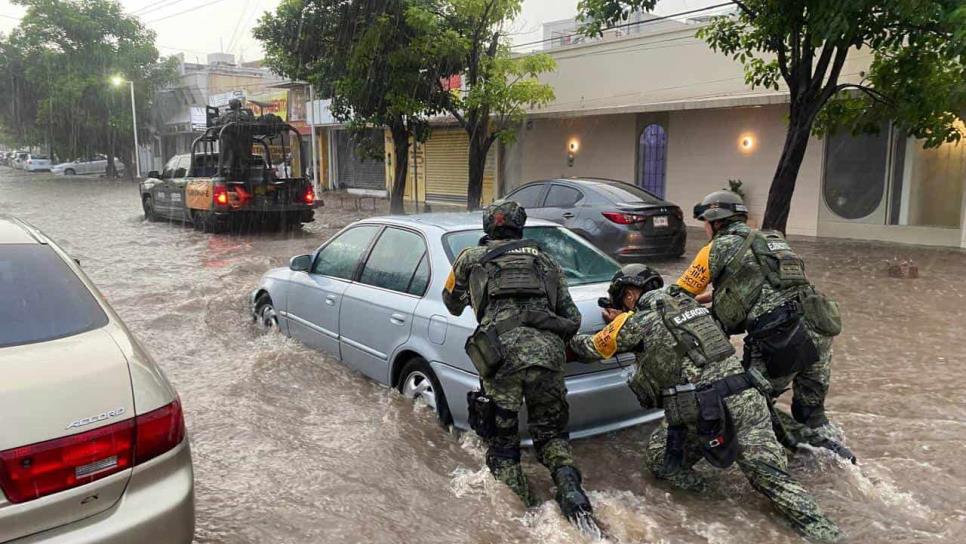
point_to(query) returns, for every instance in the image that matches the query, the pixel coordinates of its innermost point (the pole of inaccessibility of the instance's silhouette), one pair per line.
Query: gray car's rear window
(582, 263)
(41, 298)
(623, 192)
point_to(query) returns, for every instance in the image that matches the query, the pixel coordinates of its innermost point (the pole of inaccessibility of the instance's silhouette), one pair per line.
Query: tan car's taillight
(31, 472)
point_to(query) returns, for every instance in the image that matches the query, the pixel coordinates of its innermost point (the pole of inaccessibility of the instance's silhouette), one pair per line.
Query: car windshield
(41, 298)
(623, 192)
(581, 262)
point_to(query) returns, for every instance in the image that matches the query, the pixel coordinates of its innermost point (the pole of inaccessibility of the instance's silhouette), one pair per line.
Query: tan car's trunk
(52, 390)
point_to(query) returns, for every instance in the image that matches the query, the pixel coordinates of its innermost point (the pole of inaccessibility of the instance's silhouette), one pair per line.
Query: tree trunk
(479, 147)
(783, 183)
(400, 141)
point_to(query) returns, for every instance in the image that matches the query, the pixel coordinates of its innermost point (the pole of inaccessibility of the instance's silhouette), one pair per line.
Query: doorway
(652, 153)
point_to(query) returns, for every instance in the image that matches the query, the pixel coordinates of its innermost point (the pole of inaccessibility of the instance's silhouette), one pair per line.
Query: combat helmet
(504, 220)
(720, 205)
(638, 275)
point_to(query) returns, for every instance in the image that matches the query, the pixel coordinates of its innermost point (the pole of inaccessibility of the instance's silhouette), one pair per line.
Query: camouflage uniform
(809, 386)
(532, 372)
(661, 365)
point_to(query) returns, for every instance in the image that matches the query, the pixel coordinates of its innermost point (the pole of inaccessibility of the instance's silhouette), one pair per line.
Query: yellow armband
(605, 341)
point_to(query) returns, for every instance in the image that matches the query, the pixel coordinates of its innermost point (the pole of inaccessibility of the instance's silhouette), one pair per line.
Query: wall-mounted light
(746, 143)
(572, 149)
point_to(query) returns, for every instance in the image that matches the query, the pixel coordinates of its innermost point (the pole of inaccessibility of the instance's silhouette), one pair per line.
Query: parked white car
(94, 165)
(93, 447)
(18, 160)
(36, 163)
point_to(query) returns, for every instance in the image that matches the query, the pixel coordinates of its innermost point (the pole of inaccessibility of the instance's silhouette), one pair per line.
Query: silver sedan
(371, 297)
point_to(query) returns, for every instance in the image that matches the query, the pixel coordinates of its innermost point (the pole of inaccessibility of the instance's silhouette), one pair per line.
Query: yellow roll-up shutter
(447, 167)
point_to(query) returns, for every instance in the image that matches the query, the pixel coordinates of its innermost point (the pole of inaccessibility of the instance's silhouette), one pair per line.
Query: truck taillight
(309, 196)
(219, 195)
(31, 472)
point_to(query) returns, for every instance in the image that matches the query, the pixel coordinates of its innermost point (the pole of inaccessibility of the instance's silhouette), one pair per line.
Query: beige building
(662, 110)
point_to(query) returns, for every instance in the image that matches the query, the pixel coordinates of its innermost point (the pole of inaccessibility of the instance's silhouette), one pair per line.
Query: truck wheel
(418, 381)
(147, 203)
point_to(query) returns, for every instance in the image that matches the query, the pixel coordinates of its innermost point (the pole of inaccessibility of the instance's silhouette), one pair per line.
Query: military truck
(244, 170)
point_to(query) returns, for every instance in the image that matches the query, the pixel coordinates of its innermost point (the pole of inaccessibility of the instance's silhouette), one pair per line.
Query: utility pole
(315, 146)
(137, 150)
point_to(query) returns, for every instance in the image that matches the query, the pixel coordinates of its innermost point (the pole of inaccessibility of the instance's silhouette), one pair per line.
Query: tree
(360, 54)
(468, 36)
(915, 79)
(58, 64)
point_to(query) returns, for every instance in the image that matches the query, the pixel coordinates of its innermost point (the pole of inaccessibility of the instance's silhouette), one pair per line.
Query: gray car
(371, 297)
(625, 221)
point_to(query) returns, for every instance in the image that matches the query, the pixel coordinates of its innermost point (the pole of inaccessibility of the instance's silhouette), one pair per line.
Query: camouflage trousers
(545, 395)
(761, 459)
(809, 387)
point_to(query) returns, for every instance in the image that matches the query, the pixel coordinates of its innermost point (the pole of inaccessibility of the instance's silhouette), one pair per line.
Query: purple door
(653, 154)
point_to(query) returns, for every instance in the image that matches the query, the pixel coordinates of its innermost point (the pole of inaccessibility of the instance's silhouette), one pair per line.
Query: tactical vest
(511, 271)
(695, 332)
(738, 284)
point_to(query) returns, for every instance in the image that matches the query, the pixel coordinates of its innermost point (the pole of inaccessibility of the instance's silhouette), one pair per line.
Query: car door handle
(568, 215)
(397, 319)
(330, 300)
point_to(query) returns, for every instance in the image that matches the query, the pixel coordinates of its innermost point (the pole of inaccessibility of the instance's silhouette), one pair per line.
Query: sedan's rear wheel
(70, 172)
(418, 381)
(266, 320)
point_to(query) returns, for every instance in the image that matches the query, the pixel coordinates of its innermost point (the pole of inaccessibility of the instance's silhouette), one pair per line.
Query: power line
(158, 6)
(627, 25)
(189, 10)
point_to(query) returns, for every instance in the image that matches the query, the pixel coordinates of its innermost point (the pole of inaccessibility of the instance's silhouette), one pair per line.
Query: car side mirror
(300, 263)
(154, 174)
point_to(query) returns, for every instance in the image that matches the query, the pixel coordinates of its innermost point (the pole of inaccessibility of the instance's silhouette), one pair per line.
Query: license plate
(660, 221)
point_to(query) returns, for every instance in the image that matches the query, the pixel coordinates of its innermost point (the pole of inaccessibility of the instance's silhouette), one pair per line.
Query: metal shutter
(354, 172)
(447, 166)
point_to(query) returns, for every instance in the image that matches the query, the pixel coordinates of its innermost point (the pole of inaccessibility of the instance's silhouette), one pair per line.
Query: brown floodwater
(290, 447)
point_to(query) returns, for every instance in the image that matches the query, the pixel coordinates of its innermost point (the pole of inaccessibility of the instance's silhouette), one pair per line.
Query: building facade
(660, 109)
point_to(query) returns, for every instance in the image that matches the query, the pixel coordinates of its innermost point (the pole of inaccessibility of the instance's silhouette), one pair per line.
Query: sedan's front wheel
(418, 381)
(266, 320)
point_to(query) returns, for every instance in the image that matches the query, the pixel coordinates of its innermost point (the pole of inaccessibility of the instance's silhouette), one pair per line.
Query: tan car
(93, 445)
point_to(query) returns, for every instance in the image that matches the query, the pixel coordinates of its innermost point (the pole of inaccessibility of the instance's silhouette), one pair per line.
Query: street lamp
(117, 81)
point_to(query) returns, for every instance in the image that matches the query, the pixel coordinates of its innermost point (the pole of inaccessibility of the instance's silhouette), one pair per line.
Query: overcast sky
(198, 27)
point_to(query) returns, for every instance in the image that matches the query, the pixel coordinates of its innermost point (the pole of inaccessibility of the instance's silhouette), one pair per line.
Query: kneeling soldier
(525, 316)
(713, 408)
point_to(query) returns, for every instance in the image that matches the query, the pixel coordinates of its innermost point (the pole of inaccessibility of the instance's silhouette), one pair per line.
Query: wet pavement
(290, 447)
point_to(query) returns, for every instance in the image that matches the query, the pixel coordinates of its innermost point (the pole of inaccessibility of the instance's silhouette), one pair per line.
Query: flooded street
(290, 447)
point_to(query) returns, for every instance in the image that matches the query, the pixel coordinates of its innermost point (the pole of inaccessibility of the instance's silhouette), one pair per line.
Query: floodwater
(290, 447)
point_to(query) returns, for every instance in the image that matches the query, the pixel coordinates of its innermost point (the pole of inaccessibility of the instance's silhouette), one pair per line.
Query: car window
(341, 256)
(624, 192)
(42, 299)
(394, 260)
(181, 170)
(581, 262)
(169, 167)
(529, 196)
(561, 196)
(420, 278)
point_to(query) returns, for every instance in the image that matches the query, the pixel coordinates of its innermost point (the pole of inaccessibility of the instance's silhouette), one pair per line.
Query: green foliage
(60, 60)
(596, 15)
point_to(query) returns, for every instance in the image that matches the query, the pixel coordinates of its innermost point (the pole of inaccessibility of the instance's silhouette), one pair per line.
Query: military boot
(571, 497)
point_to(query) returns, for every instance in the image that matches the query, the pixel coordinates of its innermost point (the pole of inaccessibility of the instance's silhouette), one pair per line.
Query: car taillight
(309, 196)
(31, 472)
(622, 218)
(679, 214)
(219, 195)
(158, 431)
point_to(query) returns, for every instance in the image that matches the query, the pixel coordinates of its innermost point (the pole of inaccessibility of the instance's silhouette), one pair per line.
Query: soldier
(713, 408)
(760, 287)
(525, 315)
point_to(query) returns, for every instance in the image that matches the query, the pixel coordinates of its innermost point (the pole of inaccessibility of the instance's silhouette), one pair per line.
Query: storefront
(356, 170)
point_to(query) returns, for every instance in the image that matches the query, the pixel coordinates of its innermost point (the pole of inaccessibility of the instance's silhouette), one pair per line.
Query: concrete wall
(705, 150)
(606, 148)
